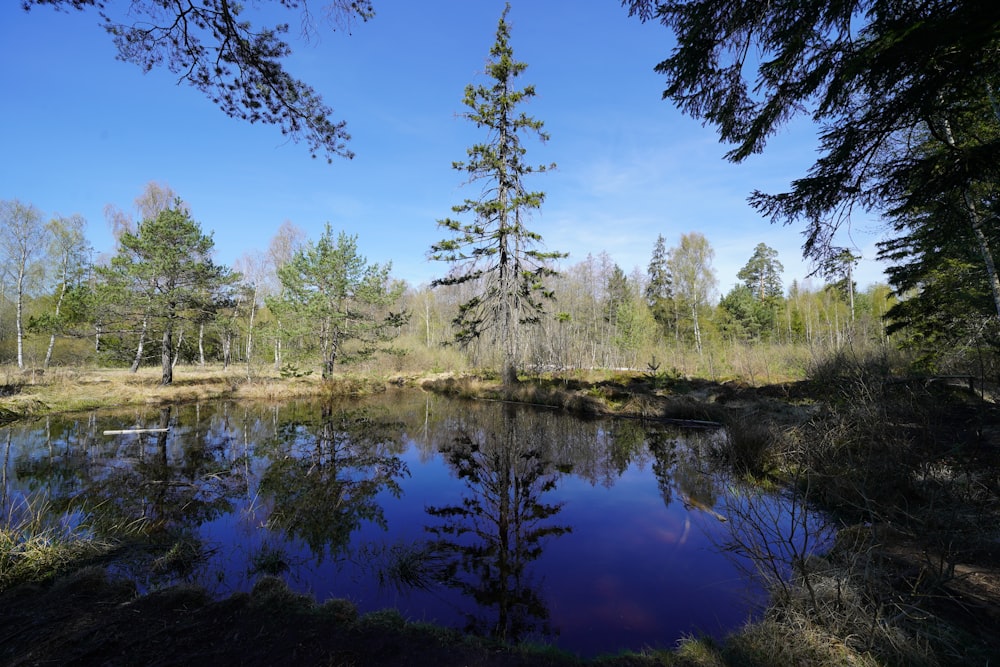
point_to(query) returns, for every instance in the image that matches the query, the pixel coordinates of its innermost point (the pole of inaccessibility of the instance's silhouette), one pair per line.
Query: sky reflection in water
(598, 535)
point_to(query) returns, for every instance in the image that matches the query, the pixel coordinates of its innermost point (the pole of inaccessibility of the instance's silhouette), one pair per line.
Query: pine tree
(496, 250)
(336, 295)
(762, 273)
(166, 271)
(659, 288)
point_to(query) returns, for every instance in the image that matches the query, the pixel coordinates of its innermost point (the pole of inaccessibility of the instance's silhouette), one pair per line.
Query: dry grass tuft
(34, 547)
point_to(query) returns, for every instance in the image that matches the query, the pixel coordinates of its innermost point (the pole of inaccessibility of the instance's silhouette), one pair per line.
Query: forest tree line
(904, 97)
(160, 299)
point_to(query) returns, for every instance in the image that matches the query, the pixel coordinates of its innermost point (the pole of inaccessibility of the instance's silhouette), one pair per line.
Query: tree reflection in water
(325, 474)
(488, 541)
(321, 493)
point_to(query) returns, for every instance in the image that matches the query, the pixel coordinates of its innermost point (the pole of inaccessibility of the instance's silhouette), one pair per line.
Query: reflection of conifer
(326, 475)
(664, 451)
(498, 529)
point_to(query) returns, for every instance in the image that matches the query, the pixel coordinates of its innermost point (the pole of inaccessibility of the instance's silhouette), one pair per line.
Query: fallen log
(137, 430)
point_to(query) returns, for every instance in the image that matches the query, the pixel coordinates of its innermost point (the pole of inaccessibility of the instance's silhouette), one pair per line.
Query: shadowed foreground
(85, 619)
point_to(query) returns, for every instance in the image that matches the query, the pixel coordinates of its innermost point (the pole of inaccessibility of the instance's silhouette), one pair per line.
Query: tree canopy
(236, 64)
(335, 294)
(163, 274)
(496, 247)
(903, 94)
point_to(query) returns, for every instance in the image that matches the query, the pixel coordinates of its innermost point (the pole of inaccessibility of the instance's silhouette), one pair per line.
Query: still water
(519, 523)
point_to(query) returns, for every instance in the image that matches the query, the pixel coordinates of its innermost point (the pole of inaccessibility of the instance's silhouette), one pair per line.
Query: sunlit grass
(37, 544)
(73, 389)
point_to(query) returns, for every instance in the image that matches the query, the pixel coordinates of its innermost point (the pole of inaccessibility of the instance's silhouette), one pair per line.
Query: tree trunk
(697, 329)
(168, 369)
(976, 222)
(19, 311)
(52, 338)
(253, 314)
(177, 352)
(142, 343)
(201, 344)
(277, 345)
(984, 249)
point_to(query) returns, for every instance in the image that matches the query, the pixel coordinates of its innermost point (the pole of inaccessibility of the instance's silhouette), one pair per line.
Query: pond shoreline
(761, 413)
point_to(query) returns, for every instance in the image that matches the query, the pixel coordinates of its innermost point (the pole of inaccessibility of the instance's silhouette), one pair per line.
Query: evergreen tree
(839, 268)
(744, 316)
(496, 250)
(236, 62)
(164, 274)
(616, 292)
(946, 301)
(659, 288)
(337, 296)
(904, 94)
(762, 273)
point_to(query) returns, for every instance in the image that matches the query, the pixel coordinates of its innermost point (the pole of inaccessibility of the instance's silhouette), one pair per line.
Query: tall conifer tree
(496, 249)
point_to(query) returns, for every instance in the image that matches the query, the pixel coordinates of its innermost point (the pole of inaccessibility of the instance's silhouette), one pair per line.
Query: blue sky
(81, 130)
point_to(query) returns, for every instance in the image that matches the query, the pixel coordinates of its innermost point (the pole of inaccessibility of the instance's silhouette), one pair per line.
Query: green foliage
(330, 291)
(162, 276)
(694, 278)
(941, 269)
(290, 370)
(496, 250)
(659, 284)
(905, 96)
(762, 273)
(744, 317)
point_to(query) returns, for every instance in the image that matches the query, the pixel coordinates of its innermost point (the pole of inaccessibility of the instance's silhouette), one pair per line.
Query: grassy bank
(908, 470)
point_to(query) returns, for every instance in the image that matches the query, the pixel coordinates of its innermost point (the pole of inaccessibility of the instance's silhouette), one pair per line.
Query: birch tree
(23, 244)
(69, 252)
(694, 278)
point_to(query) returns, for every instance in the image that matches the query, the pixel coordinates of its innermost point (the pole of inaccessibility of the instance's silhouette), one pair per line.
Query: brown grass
(72, 389)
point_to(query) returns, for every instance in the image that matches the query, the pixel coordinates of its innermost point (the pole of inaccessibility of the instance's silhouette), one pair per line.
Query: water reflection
(517, 523)
(325, 473)
(501, 523)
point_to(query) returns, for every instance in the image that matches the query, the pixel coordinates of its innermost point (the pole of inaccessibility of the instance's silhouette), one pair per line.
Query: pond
(524, 524)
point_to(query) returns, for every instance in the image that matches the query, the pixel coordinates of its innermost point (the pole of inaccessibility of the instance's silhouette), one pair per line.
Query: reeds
(37, 543)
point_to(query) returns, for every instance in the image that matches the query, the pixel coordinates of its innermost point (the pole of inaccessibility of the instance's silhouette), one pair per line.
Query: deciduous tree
(70, 258)
(22, 244)
(694, 278)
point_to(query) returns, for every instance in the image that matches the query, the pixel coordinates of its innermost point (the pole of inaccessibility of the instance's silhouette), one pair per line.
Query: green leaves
(330, 291)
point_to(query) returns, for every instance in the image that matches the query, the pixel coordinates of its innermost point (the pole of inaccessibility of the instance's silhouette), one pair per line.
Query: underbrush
(903, 472)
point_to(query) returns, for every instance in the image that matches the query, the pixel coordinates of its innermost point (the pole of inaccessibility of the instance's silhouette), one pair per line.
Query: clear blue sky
(81, 130)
